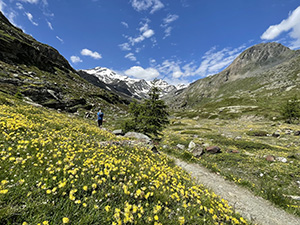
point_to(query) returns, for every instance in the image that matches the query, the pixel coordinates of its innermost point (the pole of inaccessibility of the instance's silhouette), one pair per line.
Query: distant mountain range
(133, 88)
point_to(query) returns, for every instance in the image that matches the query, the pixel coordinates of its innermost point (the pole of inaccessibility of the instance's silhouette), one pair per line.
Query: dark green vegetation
(149, 117)
(291, 110)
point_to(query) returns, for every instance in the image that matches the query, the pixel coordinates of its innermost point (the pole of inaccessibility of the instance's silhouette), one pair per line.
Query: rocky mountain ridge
(133, 88)
(20, 48)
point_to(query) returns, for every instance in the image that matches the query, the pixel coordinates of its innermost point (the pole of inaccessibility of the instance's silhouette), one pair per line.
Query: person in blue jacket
(100, 118)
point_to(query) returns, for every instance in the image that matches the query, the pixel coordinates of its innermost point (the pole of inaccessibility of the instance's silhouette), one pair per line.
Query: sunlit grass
(275, 181)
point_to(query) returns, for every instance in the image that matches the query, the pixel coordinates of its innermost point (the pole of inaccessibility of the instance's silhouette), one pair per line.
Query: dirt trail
(254, 208)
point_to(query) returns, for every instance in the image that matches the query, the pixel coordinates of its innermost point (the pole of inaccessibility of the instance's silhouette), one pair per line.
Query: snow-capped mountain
(136, 88)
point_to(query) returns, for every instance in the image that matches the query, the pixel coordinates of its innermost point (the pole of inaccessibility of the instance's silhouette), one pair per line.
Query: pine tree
(291, 110)
(148, 117)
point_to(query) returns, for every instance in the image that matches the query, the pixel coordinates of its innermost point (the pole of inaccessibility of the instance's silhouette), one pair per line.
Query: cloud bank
(291, 23)
(141, 73)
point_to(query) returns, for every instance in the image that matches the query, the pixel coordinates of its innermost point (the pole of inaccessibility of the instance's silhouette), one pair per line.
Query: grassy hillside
(56, 168)
(245, 143)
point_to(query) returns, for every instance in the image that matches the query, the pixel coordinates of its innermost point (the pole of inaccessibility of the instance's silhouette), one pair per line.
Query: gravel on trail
(254, 208)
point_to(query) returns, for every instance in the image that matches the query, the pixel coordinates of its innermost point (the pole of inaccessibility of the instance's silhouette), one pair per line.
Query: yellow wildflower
(65, 220)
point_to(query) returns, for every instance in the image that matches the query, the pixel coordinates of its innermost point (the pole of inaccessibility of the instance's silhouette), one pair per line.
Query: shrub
(259, 133)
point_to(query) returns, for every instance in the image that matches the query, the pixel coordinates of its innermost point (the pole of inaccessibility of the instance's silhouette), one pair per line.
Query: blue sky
(176, 40)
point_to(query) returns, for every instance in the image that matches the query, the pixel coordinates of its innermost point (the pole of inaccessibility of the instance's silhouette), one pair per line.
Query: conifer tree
(148, 117)
(291, 110)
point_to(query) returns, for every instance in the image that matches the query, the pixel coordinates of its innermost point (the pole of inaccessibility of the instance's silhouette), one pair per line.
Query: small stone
(270, 158)
(192, 145)
(234, 151)
(213, 149)
(154, 150)
(198, 151)
(281, 159)
(180, 146)
(297, 133)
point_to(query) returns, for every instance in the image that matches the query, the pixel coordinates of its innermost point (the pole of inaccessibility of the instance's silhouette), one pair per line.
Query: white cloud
(291, 23)
(214, 61)
(125, 24)
(61, 40)
(169, 19)
(19, 6)
(143, 5)
(87, 52)
(50, 25)
(75, 59)
(166, 24)
(157, 5)
(145, 33)
(2, 5)
(141, 73)
(45, 2)
(171, 68)
(130, 56)
(125, 47)
(148, 33)
(30, 1)
(136, 40)
(167, 32)
(30, 17)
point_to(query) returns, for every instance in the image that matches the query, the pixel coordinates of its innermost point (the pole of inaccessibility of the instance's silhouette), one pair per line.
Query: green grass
(274, 181)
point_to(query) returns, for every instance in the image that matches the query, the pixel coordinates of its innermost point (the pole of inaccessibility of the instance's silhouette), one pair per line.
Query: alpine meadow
(190, 134)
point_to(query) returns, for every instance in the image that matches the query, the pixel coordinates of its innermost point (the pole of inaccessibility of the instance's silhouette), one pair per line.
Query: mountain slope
(18, 47)
(39, 74)
(262, 75)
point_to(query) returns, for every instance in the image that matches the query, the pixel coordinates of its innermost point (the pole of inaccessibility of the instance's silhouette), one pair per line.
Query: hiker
(100, 118)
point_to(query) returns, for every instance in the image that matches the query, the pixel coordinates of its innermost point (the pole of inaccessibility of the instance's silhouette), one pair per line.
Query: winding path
(251, 207)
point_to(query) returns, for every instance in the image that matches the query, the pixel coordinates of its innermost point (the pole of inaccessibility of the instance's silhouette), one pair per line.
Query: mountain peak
(257, 58)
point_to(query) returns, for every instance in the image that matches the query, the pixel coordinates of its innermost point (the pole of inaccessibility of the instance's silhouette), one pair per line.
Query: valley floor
(255, 209)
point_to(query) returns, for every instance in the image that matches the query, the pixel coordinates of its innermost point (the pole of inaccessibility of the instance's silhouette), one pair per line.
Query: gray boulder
(139, 136)
(118, 132)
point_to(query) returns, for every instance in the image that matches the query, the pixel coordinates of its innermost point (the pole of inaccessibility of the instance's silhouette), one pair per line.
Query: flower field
(53, 170)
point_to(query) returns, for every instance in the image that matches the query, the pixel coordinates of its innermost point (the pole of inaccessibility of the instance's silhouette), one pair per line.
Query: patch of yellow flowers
(54, 171)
